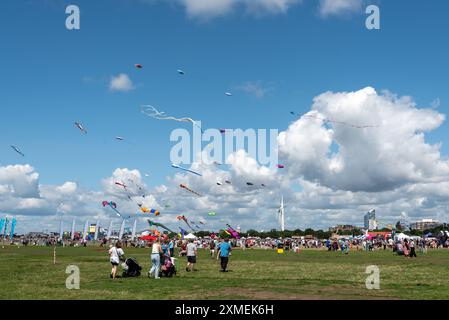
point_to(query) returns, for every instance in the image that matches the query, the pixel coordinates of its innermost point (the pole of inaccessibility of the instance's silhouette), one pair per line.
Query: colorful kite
(113, 206)
(183, 218)
(211, 214)
(152, 223)
(16, 149)
(280, 166)
(183, 233)
(150, 211)
(187, 170)
(121, 184)
(138, 66)
(190, 190)
(232, 232)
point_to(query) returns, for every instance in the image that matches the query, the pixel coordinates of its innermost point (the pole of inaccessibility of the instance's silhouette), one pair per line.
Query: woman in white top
(116, 254)
(156, 252)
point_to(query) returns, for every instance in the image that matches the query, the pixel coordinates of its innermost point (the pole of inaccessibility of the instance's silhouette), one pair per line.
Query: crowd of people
(162, 255)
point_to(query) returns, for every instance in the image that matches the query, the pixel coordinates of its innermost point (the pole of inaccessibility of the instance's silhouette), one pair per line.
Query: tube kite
(80, 127)
(160, 115)
(152, 223)
(187, 170)
(121, 184)
(190, 190)
(183, 218)
(113, 206)
(232, 231)
(16, 149)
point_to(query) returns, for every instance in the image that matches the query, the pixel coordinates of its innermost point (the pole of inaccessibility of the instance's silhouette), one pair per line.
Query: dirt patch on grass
(319, 294)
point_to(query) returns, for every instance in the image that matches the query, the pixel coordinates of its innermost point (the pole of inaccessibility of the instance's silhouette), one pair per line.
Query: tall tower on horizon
(281, 215)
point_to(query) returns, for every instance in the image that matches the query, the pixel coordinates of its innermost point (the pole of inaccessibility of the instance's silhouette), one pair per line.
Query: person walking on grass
(412, 249)
(224, 250)
(116, 254)
(156, 252)
(212, 248)
(191, 256)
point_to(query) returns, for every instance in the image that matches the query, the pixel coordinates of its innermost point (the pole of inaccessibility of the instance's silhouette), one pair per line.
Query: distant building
(369, 220)
(425, 224)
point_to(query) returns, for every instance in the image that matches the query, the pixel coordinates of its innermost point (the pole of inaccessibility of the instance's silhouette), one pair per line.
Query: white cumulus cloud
(339, 7)
(121, 82)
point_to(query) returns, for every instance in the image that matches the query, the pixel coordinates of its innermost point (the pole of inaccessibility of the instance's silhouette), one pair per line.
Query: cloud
(339, 7)
(333, 174)
(255, 88)
(371, 159)
(19, 181)
(211, 9)
(122, 82)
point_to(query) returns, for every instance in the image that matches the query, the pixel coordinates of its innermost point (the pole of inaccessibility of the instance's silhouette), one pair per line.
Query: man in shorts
(191, 256)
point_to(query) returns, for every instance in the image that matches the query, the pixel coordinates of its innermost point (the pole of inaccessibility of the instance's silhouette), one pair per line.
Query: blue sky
(51, 77)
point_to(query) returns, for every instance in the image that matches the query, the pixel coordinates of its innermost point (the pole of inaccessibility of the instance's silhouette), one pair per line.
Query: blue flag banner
(6, 227)
(2, 224)
(13, 226)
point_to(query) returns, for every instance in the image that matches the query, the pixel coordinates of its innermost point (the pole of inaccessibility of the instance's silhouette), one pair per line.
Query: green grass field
(29, 273)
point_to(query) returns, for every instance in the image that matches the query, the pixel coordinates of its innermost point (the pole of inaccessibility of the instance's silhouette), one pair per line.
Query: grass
(29, 273)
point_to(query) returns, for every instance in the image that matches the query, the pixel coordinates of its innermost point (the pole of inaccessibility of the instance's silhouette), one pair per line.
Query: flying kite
(183, 232)
(150, 211)
(181, 168)
(181, 72)
(121, 184)
(183, 218)
(222, 131)
(232, 231)
(280, 166)
(113, 206)
(160, 115)
(211, 214)
(228, 94)
(249, 184)
(152, 223)
(80, 127)
(138, 66)
(119, 138)
(327, 120)
(190, 190)
(16, 149)
(219, 183)
(228, 182)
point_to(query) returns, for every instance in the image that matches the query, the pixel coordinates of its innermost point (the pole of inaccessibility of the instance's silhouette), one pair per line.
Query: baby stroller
(132, 268)
(168, 269)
